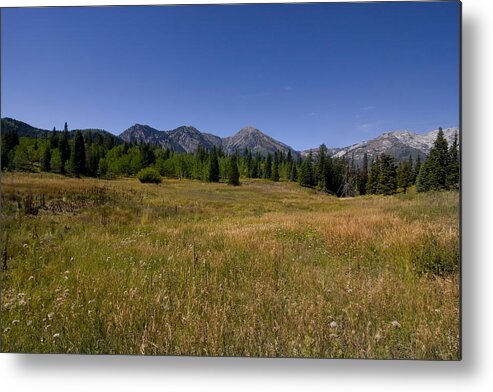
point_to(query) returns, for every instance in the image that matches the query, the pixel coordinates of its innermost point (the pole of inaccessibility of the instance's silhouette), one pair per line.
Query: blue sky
(305, 74)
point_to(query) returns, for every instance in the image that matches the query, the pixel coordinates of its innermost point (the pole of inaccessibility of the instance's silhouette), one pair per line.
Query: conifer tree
(64, 148)
(372, 184)
(417, 168)
(320, 166)
(255, 172)
(54, 139)
(46, 159)
(293, 175)
(453, 165)
(405, 174)
(387, 177)
(289, 157)
(147, 155)
(78, 158)
(10, 140)
(213, 166)
(268, 166)
(275, 168)
(363, 175)
(306, 171)
(433, 172)
(234, 173)
(248, 164)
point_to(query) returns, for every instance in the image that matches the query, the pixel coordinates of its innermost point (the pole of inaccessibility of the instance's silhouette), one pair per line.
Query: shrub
(149, 175)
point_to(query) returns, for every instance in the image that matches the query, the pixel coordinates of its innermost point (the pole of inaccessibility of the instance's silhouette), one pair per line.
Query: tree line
(95, 155)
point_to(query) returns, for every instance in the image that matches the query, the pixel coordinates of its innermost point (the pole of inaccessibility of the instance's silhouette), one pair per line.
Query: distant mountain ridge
(188, 138)
(24, 129)
(399, 144)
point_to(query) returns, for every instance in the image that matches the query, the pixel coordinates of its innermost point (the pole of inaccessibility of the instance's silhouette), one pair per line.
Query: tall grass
(264, 269)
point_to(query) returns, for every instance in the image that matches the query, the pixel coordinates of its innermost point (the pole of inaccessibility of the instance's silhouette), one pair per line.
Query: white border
(86, 373)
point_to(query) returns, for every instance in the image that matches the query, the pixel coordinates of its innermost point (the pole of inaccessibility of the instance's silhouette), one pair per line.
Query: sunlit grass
(264, 269)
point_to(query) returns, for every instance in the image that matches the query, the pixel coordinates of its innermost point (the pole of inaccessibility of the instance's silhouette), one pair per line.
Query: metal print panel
(270, 180)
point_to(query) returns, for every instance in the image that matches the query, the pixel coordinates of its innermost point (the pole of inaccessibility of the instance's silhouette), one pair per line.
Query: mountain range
(399, 144)
(188, 138)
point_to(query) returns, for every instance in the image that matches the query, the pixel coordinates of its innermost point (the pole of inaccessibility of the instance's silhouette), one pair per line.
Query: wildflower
(333, 324)
(56, 335)
(15, 322)
(396, 324)
(50, 316)
(6, 330)
(31, 277)
(29, 323)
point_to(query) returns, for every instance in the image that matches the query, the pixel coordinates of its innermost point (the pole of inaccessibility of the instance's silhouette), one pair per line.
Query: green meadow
(193, 268)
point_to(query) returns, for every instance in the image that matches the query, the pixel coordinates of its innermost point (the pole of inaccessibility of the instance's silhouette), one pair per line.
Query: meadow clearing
(192, 268)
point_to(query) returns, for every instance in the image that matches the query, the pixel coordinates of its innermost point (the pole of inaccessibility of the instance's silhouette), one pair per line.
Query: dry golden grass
(264, 269)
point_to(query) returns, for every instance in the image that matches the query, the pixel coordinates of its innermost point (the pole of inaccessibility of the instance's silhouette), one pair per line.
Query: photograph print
(257, 180)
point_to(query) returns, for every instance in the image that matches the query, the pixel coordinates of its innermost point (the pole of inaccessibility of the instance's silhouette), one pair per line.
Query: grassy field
(190, 268)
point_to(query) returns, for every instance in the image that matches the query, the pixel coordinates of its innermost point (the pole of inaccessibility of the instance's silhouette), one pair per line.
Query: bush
(149, 175)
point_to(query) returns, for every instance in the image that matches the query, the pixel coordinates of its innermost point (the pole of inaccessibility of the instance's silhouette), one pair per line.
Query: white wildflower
(333, 324)
(396, 324)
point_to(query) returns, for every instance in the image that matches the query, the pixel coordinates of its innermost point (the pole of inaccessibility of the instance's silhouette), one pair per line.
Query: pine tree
(46, 159)
(65, 127)
(363, 175)
(147, 155)
(10, 140)
(453, 171)
(433, 172)
(54, 139)
(213, 166)
(405, 174)
(248, 164)
(275, 168)
(306, 171)
(64, 148)
(320, 166)
(293, 174)
(289, 157)
(255, 171)
(78, 158)
(234, 173)
(372, 184)
(387, 177)
(268, 166)
(417, 168)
